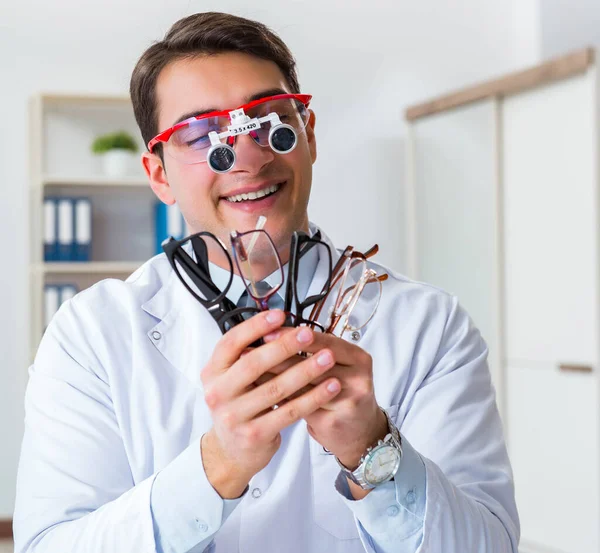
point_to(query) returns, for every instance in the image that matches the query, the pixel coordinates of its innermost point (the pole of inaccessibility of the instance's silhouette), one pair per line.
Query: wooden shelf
(95, 181)
(89, 268)
(83, 98)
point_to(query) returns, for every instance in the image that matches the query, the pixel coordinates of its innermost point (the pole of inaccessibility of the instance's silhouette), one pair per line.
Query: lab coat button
(392, 510)
(356, 335)
(410, 497)
(256, 493)
(202, 526)
(156, 335)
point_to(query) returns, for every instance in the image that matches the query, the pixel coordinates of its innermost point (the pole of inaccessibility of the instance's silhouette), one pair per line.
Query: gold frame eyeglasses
(348, 290)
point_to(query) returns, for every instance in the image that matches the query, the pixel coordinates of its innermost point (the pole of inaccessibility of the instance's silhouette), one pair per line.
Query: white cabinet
(552, 419)
(504, 195)
(453, 158)
(551, 222)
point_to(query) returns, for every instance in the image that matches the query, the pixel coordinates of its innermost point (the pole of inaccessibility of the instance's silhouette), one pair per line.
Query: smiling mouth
(255, 196)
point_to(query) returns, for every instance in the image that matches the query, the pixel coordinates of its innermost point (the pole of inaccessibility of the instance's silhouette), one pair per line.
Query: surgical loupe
(221, 156)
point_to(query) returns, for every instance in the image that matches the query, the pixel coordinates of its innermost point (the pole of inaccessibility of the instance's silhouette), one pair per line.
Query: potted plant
(117, 150)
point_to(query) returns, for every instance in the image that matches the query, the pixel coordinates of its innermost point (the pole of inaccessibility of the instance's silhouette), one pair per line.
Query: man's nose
(250, 156)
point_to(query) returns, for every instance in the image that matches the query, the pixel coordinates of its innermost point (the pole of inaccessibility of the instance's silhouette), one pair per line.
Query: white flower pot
(118, 163)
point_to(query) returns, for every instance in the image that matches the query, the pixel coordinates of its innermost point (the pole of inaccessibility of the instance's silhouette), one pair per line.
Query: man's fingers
(345, 353)
(235, 341)
(260, 360)
(274, 371)
(271, 337)
(292, 411)
(284, 385)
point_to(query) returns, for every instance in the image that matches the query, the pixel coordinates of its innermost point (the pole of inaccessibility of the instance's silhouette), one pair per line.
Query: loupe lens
(221, 158)
(283, 139)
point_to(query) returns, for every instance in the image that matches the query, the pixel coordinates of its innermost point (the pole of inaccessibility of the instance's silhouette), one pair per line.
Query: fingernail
(324, 359)
(274, 316)
(304, 336)
(333, 386)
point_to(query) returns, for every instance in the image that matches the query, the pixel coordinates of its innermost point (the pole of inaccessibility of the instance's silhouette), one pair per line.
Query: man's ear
(157, 176)
(310, 135)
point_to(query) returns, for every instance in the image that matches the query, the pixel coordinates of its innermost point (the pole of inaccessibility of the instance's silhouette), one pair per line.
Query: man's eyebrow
(265, 94)
(257, 96)
(193, 114)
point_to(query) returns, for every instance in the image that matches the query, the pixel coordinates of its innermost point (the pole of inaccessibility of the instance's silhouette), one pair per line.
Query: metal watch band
(392, 438)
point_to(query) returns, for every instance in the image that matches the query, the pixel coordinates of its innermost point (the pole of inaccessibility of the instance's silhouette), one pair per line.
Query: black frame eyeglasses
(301, 244)
(194, 274)
(223, 310)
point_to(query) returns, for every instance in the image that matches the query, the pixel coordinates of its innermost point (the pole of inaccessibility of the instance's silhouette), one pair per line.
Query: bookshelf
(94, 181)
(92, 267)
(62, 128)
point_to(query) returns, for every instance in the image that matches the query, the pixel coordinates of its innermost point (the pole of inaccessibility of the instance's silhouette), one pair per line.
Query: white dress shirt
(111, 457)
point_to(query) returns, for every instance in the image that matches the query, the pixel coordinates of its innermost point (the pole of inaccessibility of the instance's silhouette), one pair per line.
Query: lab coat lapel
(185, 333)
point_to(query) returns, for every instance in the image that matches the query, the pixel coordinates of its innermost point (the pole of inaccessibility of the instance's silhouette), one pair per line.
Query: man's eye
(198, 141)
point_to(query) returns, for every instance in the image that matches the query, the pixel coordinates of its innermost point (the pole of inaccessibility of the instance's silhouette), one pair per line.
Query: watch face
(381, 464)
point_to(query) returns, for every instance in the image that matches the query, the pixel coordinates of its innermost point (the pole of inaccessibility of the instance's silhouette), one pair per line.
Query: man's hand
(246, 430)
(352, 421)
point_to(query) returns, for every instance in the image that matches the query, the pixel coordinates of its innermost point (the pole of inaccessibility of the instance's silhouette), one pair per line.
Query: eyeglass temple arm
(199, 271)
(204, 284)
(234, 314)
(294, 257)
(198, 274)
(372, 251)
(317, 308)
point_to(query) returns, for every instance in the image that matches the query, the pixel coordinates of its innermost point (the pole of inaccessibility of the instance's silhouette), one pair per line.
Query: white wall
(364, 61)
(568, 26)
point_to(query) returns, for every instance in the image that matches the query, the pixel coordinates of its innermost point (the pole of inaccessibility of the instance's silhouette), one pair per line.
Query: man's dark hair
(202, 34)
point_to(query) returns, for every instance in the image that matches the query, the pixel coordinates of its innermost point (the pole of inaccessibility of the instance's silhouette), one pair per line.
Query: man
(148, 430)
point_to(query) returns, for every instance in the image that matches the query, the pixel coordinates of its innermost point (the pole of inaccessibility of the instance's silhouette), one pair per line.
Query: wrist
(227, 480)
(379, 431)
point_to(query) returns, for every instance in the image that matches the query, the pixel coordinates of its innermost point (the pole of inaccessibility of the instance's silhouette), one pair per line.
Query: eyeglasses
(271, 121)
(195, 276)
(255, 249)
(351, 275)
(351, 287)
(251, 250)
(300, 245)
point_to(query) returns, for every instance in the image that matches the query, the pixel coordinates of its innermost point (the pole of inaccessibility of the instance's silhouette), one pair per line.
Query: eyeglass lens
(352, 286)
(256, 257)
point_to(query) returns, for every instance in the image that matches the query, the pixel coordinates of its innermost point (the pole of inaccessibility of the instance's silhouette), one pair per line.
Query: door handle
(573, 367)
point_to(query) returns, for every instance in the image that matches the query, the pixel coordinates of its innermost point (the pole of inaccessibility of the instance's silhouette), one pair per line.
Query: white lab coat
(115, 397)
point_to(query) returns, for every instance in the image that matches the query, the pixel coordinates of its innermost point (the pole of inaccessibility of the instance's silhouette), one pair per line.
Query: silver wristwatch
(380, 463)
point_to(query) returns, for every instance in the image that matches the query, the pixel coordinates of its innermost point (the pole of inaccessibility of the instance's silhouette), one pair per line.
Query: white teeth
(254, 195)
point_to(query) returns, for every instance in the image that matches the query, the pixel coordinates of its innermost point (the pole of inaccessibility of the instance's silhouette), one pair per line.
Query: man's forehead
(187, 88)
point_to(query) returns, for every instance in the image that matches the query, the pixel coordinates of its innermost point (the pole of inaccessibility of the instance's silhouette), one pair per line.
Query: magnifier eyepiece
(282, 138)
(221, 158)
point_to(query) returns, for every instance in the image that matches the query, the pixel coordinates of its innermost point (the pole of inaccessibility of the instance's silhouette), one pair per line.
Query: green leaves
(119, 140)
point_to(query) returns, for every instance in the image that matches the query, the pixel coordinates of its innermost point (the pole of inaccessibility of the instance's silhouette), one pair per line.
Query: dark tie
(275, 301)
